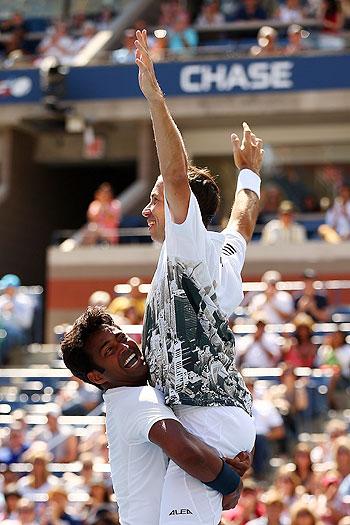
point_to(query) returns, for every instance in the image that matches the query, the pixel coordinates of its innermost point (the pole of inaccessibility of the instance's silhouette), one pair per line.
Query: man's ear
(96, 377)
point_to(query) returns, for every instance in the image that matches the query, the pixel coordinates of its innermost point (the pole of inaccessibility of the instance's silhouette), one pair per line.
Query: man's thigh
(187, 501)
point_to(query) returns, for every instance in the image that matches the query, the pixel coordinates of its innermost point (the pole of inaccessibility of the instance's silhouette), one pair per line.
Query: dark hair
(206, 191)
(73, 347)
(332, 8)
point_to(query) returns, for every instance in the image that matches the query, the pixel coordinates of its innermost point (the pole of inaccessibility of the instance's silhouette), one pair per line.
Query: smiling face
(154, 212)
(118, 359)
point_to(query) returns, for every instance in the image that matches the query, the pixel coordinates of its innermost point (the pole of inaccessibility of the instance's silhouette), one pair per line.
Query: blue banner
(191, 78)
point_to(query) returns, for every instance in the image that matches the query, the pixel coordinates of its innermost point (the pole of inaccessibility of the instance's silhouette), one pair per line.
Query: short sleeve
(234, 249)
(186, 241)
(150, 409)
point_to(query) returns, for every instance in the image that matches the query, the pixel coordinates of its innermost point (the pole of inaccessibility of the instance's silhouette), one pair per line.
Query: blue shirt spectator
(181, 36)
(251, 10)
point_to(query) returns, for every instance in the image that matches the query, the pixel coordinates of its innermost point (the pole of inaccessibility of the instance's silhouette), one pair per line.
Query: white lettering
(281, 74)
(237, 77)
(187, 83)
(259, 75)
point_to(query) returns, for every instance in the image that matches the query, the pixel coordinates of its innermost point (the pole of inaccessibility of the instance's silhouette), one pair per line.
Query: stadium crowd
(54, 466)
(183, 26)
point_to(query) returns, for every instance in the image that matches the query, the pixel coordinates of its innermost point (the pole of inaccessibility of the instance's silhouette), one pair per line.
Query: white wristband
(248, 180)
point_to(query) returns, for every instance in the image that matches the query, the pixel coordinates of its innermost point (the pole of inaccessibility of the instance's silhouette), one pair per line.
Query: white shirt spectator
(291, 14)
(266, 416)
(251, 352)
(281, 300)
(275, 232)
(338, 217)
(340, 355)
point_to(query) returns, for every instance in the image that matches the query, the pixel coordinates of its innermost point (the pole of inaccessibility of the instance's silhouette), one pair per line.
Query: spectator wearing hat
(275, 306)
(39, 481)
(312, 302)
(299, 350)
(12, 497)
(295, 45)
(284, 229)
(286, 483)
(274, 509)
(324, 452)
(267, 42)
(26, 514)
(302, 513)
(16, 313)
(258, 350)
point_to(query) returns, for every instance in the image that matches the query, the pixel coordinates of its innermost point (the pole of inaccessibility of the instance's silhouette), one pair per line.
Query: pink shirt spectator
(105, 213)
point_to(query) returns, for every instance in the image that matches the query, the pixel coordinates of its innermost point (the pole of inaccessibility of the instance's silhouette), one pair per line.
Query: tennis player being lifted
(187, 343)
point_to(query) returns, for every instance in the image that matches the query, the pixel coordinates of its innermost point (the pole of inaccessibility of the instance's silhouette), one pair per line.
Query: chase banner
(189, 78)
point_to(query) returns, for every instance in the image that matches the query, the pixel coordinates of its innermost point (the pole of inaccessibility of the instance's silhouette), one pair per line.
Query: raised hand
(147, 78)
(250, 153)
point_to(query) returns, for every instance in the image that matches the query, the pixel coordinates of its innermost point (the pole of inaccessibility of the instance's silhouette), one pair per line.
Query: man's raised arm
(171, 151)
(248, 158)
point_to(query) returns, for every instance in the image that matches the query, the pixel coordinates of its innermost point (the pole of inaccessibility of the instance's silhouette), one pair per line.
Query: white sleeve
(230, 291)
(150, 409)
(274, 418)
(187, 240)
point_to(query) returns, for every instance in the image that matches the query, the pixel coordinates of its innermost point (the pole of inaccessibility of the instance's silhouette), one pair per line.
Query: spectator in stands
(341, 507)
(270, 7)
(269, 428)
(105, 213)
(57, 43)
(77, 22)
(105, 19)
(99, 298)
(310, 301)
(60, 439)
(12, 497)
(284, 229)
(25, 514)
(332, 18)
(274, 509)
(324, 452)
(260, 349)
(271, 198)
(126, 54)
(210, 15)
(286, 483)
(182, 38)
(303, 514)
(169, 11)
(250, 10)
(249, 507)
(134, 298)
(89, 31)
(295, 46)
(16, 313)
(39, 481)
(304, 467)
(15, 446)
(87, 475)
(57, 511)
(100, 500)
(267, 42)
(337, 227)
(291, 12)
(79, 401)
(276, 306)
(15, 29)
(336, 355)
(299, 350)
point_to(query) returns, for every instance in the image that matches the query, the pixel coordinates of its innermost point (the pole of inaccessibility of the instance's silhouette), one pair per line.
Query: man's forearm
(171, 151)
(244, 214)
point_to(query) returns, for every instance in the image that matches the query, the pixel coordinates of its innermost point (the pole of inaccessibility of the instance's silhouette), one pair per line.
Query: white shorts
(186, 500)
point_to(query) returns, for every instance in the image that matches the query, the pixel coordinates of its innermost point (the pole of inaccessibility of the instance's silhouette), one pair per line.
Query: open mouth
(131, 361)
